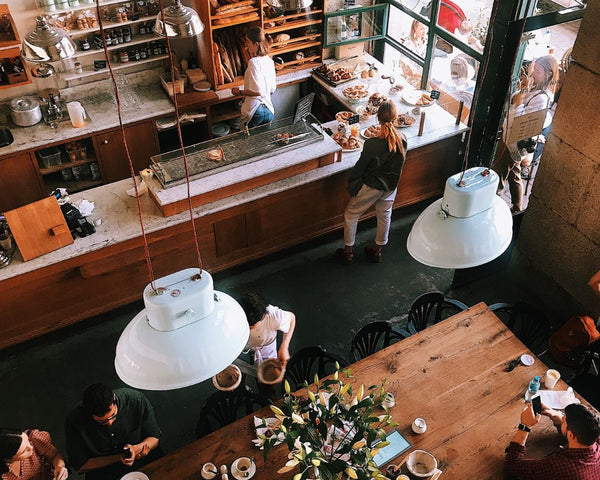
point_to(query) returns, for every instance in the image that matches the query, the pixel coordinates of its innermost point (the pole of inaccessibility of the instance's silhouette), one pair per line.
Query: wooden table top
(451, 374)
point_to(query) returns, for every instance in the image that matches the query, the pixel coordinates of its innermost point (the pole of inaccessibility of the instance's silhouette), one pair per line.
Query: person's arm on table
(514, 463)
(140, 450)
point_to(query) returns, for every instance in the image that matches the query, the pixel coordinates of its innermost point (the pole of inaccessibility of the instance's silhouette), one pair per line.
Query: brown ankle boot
(345, 254)
(373, 254)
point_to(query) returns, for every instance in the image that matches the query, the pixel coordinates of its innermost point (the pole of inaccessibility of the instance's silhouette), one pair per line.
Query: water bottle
(533, 388)
(547, 38)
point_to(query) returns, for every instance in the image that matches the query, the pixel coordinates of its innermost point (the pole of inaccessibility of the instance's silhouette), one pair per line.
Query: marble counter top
(142, 97)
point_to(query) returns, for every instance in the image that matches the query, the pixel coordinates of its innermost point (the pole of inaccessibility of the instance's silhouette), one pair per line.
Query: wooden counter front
(50, 297)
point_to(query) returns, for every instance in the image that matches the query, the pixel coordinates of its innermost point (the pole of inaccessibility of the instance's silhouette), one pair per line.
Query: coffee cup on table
(551, 378)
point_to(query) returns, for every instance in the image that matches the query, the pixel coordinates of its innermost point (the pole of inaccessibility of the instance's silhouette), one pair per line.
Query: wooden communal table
(452, 374)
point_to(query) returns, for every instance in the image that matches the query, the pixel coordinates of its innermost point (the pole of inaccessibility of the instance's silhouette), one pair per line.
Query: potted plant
(333, 431)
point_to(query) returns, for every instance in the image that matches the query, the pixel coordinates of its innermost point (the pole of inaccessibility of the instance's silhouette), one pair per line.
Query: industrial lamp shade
(187, 333)
(47, 43)
(179, 21)
(469, 226)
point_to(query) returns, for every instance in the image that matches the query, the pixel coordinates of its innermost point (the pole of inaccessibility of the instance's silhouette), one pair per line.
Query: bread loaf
(232, 6)
(246, 17)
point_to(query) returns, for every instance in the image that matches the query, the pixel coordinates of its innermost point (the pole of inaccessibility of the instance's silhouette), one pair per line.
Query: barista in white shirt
(259, 81)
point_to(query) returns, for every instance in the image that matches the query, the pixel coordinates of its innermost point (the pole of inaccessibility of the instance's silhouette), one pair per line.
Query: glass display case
(235, 150)
(355, 24)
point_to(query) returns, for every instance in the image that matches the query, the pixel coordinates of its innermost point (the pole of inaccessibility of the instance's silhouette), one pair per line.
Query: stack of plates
(202, 86)
(220, 129)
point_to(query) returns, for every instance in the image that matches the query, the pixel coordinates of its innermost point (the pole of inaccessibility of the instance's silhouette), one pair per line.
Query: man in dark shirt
(580, 460)
(110, 431)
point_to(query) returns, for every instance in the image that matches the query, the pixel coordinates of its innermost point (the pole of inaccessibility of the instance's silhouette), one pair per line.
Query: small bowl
(421, 464)
(270, 371)
(208, 470)
(231, 371)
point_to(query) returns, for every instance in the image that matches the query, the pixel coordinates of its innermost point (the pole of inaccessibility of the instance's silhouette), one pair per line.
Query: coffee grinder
(46, 82)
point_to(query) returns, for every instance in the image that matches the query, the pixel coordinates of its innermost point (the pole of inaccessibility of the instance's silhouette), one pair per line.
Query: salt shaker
(419, 425)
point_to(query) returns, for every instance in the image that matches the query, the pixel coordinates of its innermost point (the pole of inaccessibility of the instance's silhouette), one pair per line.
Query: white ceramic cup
(243, 465)
(76, 114)
(551, 378)
(389, 401)
(419, 425)
(209, 471)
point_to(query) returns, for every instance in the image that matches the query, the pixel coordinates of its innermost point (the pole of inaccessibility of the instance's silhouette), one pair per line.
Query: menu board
(303, 107)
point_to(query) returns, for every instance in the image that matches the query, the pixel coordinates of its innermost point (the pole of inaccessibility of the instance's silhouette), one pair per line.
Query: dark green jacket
(87, 439)
(378, 168)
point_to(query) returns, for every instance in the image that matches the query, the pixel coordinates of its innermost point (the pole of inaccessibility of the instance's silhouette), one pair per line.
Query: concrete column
(560, 234)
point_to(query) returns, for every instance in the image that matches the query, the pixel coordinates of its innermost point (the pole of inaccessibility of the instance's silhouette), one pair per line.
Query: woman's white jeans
(358, 205)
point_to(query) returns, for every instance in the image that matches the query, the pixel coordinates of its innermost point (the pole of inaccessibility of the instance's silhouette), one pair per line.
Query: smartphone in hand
(536, 403)
(127, 453)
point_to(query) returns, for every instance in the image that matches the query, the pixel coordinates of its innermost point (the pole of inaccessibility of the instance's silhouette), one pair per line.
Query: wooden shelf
(136, 40)
(293, 15)
(292, 25)
(223, 114)
(233, 24)
(62, 166)
(72, 186)
(293, 48)
(82, 6)
(118, 66)
(110, 25)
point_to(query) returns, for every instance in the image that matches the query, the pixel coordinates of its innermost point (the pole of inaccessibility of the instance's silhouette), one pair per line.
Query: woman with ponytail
(374, 181)
(30, 455)
(259, 81)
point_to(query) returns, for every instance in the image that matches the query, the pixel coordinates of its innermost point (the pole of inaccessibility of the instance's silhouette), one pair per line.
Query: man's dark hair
(254, 305)
(583, 422)
(97, 399)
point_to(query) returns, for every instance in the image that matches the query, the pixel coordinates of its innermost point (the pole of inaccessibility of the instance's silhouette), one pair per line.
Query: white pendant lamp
(187, 333)
(179, 22)
(47, 43)
(469, 226)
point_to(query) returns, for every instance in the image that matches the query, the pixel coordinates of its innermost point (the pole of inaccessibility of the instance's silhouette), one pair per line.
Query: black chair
(373, 337)
(428, 303)
(587, 384)
(223, 408)
(310, 360)
(527, 322)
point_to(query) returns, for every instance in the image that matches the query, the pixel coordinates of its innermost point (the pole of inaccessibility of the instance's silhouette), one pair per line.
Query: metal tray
(333, 84)
(239, 149)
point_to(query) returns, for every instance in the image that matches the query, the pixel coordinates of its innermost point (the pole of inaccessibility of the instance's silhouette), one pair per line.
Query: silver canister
(25, 111)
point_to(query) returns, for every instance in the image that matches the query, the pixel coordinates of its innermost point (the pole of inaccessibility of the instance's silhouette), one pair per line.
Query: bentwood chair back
(225, 407)
(527, 322)
(310, 360)
(434, 307)
(373, 337)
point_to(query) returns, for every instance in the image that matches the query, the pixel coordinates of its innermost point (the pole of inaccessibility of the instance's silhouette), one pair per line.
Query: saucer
(527, 359)
(135, 476)
(235, 473)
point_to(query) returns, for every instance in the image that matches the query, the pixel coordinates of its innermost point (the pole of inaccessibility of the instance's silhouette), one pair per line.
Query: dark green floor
(43, 379)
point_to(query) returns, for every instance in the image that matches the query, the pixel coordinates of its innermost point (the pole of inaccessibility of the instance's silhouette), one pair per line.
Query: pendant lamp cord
(122, 128)
(124, 140)
(179, 135)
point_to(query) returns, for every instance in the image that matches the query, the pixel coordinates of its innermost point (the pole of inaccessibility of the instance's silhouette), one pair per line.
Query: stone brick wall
(560, 234)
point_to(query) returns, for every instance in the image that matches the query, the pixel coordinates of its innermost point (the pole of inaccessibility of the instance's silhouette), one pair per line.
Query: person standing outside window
(259, 81)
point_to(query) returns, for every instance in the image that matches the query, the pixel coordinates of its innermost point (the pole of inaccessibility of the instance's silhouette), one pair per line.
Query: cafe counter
(107, 269)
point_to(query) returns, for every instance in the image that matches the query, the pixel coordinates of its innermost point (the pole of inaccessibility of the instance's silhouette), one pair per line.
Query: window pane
(468, 20)
(418, 6)
(550, 6)
(454, 74)
(409, 32)
(403, 65)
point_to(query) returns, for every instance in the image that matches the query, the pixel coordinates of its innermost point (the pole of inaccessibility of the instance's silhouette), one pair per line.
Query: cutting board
(39, 228)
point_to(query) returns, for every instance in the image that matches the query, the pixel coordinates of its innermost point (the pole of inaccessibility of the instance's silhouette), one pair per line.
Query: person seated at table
(580, 426)
(30, 455)
(464, 33)
(111, 433)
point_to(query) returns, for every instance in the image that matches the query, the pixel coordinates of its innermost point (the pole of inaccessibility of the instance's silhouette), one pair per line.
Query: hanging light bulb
(47, 43)
(469, 226)
(187, 333)
(179, 22)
